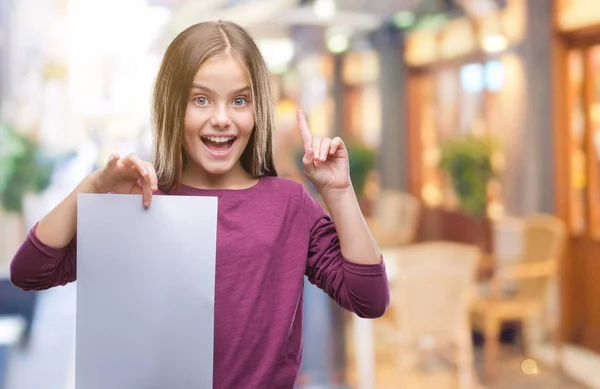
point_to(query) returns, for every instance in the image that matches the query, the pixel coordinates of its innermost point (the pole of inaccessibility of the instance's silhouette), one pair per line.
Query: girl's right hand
(128, 175)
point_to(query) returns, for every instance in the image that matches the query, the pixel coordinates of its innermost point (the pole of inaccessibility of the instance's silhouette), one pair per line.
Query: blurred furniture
(395, 219)
(394, 223)
(431, 291)
(507, 237)
(518, 290)
(438, 223)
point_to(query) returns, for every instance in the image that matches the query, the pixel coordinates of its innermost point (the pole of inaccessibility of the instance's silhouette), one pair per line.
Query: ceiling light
(324, 9)
(338, 44)
(495, 43)
(277, 53)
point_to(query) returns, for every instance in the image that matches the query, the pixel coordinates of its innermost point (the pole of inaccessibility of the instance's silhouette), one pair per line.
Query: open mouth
(218, 144)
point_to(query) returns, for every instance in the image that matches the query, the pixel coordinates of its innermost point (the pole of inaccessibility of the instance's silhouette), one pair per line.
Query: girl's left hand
(325, 160)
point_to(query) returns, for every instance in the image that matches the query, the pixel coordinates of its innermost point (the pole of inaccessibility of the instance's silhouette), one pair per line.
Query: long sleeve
(36, 266)
(362, 289)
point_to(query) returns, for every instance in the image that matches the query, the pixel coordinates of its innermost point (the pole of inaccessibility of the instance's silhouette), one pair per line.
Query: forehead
(222, 69)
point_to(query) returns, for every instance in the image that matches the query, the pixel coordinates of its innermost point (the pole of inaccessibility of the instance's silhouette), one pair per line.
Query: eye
(201, 100)
(240, 101)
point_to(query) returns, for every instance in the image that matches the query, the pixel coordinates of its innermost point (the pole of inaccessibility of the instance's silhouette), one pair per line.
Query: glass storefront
(582, 65)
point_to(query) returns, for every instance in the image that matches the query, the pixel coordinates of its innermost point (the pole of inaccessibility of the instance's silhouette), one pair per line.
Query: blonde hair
(182, 59)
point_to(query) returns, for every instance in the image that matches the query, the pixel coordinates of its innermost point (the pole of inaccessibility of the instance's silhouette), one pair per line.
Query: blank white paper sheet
(145, 292)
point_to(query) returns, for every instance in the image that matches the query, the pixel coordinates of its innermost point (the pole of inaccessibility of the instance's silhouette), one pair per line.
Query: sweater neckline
(191, 190)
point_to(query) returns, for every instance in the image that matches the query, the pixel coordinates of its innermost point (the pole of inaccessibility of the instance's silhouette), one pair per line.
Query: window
(584, 140)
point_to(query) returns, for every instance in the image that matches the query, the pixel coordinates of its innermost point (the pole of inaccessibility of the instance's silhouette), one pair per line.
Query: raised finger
(325, 146)
(304, 129)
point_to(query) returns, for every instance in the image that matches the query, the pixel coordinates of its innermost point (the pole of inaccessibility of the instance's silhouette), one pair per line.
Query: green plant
(361, 160)
(24, 168)
(468, 163)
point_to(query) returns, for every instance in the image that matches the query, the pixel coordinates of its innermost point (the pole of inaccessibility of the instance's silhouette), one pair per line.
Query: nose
(220, 118)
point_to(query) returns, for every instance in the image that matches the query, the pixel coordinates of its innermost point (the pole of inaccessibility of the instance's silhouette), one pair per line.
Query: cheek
(194, 118)
(245, 122)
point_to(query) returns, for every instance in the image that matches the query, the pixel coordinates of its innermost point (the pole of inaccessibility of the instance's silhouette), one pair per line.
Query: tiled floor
(440, 375)
(511, 375)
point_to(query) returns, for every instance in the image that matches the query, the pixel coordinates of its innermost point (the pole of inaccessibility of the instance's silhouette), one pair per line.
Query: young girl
(213, 119)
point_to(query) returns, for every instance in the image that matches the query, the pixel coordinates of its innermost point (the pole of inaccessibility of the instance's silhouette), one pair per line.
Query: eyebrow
(202, 87)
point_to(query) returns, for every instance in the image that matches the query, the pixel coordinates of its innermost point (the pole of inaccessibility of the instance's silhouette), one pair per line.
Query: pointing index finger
(304, 130)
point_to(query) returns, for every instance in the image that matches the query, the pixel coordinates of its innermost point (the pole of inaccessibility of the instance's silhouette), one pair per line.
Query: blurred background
(474, 135)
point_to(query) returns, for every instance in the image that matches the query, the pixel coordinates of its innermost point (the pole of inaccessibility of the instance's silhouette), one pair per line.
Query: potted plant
(24, 168)
(468, 163)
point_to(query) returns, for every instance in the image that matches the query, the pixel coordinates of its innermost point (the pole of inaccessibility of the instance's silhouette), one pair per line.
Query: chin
(216, 166)
(216, 169)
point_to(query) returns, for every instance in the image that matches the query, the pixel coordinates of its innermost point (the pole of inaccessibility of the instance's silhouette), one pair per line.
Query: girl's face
(219, 118)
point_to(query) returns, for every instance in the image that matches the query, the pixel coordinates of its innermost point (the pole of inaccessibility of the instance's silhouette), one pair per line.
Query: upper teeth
(219, 139)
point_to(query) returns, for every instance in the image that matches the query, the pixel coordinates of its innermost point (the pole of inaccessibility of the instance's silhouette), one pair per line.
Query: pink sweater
(268, 238)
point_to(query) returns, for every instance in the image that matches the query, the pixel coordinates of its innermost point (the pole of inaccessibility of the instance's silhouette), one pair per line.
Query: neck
(236, 178)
